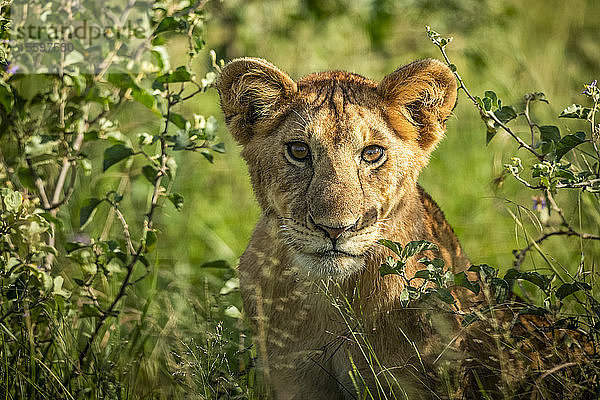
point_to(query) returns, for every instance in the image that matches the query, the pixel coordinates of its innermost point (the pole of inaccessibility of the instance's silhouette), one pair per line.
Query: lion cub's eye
(298, 151)
(372, 154)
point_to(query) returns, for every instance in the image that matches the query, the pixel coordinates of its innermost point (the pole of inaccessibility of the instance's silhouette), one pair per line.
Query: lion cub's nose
(334, 233)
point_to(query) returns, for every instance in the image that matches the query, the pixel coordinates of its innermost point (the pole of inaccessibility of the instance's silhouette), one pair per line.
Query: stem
(528, 118)
(488, 114)
(520, 254)
(111, 310)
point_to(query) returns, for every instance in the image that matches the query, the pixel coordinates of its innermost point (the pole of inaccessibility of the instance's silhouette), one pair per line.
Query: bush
(65, 271)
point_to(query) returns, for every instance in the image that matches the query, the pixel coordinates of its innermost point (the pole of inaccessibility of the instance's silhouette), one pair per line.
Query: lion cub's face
(332, 155)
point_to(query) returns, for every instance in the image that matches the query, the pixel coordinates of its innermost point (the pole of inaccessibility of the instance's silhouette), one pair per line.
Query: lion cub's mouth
(337, 253)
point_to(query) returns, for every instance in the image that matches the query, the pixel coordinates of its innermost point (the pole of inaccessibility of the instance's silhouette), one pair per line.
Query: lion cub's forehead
(339, 107)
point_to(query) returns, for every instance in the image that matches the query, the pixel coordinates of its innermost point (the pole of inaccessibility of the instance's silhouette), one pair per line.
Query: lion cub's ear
(422, 93)
(254, 94)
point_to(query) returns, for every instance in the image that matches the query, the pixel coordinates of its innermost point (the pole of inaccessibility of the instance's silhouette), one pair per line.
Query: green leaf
(177, 200)
(536, 96)
(233, 312)
(87, 211)
(575, 111)
(170, 24)
(58, 289)
(388, 269)
(422, 274)
(12, 200)
(417, 246)
(73, 57)
(89, 311)
(26, 178)
(500, 288)
(143, 97)
(207, 154)
(142, 258)
(72, 246)
(218, 264)
(79, 282)
(568, 143)
(114, 154)
(181, 74)
(161, 55)
(489, 94)
(404, 297)
(79, 82)
(565, 174)
(394, 246)
(445, 295)
(506, 113)
(230, 286)
(122, 80)
(178, 120)
(479, 102)
(539, 280)
(549, 133)
(462, 280)
(6, 97)
(567, 289)
(150, 241)
(219, 147)
(49, 249)
(485, 271)
(52, 219)
(487, 103)
(533, 310)
(437, 264)
(149, 173)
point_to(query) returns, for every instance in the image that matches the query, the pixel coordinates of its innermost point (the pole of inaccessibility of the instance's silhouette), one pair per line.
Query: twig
(520, 254)
(137, 254)
(60, 182)
(125, 228)
(487, 114)
(39, 184)
(527, 117)
(189, 10)
(105, 64)
(550, 372)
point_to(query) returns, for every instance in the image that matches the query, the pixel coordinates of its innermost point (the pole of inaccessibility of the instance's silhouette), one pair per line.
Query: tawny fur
(290, 278)
(301, 338)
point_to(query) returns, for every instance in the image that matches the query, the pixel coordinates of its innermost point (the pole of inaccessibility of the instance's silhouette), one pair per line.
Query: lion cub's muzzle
(332, 249)
(331, 237)
(334, 232)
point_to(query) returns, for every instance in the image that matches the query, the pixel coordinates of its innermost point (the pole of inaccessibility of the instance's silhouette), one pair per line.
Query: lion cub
(334, 160)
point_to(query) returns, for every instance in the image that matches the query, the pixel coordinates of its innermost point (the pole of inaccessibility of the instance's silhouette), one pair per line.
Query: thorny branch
(568, 229)
(137, 252)
(487, 114)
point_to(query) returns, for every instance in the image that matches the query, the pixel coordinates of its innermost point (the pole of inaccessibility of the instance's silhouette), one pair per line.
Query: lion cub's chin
(337, 266)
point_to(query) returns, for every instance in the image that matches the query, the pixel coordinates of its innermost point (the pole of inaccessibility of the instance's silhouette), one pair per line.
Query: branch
(60, 182)
(138, 253)
(125, 228)
(487, 114)
(520, 254)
